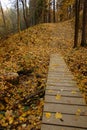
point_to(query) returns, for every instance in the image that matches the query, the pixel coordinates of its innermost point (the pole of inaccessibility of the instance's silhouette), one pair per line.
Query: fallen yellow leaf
(48, 115)
(78, 112)
(58, 97)
(58, 115)
(5, 124)
(1, 116)
(2, 106)
(21, 118)
(24, 114)
(73, 92)
(55, 65)
(10, 120)
(50, 91)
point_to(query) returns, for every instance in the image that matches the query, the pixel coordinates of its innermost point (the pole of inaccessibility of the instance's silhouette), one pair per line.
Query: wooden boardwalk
(62, 97)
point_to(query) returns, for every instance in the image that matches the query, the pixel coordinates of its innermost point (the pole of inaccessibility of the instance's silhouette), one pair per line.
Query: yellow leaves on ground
(77, 61)
(73, 92)
(55, 65)
(58, 97)
(50, 91)
(4, 124)
(1, 116)
(11, 119)
(8, 113)
(58, 115)
(78, 112)
(2, 106)
(48, 115)
(33, 51)
(21, 118)
(8, 119)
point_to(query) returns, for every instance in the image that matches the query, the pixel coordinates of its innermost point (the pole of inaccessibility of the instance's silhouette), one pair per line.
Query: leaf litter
(22, 103)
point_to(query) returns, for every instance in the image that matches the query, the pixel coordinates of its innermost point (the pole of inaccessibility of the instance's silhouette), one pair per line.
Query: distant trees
(65, 9)
(30, 12)
(25, 13)
(38, 11)
(48, 10)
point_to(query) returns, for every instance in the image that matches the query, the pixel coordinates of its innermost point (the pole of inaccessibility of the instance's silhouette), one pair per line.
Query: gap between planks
(61, 81)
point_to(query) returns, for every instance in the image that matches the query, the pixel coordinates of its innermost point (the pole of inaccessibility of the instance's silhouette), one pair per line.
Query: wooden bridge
(64, 107)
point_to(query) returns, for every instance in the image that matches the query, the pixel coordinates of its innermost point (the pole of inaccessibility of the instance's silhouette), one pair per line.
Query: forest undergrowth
(24, 63)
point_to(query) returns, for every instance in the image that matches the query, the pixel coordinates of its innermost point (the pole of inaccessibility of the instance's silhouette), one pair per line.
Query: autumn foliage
(28, 56)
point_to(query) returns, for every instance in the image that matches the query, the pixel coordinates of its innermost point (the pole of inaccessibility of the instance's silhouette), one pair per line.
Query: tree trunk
(54, 11)
(3, 17)
(77, 6)
(84, 29)
(49, 14)
(18, 17)
(25, 12)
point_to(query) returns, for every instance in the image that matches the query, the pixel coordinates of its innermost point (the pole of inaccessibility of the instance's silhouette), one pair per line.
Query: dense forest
(30, 31)
(25, 13)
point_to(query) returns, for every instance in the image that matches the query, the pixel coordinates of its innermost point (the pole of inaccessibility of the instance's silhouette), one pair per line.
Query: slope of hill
(26, 59)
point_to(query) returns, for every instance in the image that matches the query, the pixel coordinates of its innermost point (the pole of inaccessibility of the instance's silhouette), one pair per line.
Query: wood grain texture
(62, 83)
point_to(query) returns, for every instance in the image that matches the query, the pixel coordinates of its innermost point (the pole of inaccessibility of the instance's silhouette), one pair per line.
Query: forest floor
(27, 57)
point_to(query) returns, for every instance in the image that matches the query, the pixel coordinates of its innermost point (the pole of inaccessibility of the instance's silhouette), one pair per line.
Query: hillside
(27, 57)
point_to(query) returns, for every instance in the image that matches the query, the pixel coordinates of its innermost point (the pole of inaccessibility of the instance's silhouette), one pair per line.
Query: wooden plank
(67, 120)
(62, 88)
(58, 69)
(61, 81)
(63, 93)
(51, 77)
(60, 73)
(63, 65)
(63, 108)
(65, 100)
(61, 84)
(60, 76)
(57, 127)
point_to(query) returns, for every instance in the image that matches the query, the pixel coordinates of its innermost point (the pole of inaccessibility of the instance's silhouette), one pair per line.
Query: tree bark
(77, 6)
(84, 28)
(18, 16)
(49, 15)
(54, 11)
